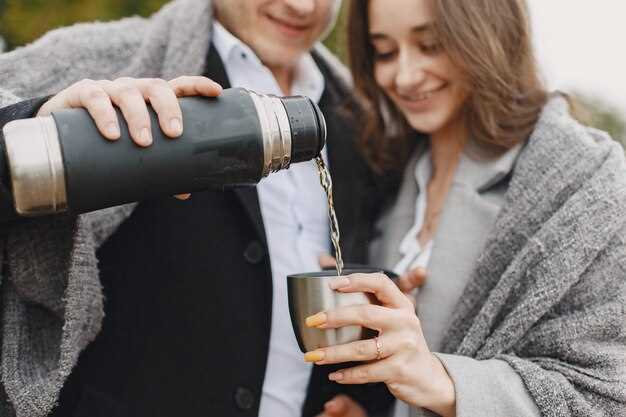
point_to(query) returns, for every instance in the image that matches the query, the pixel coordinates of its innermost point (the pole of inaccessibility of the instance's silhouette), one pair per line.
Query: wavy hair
(491, 42)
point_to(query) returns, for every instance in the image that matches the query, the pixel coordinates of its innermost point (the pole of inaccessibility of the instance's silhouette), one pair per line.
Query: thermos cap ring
(36, 164)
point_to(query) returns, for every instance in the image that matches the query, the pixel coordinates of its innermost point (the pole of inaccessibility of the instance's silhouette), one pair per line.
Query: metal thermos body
(62, 163)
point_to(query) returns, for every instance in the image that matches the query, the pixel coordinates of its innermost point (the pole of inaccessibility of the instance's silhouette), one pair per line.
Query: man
(193, 291)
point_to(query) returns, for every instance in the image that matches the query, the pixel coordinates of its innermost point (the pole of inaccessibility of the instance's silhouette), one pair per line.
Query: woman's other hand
(342, 406)
(410, 282)
(399, 356)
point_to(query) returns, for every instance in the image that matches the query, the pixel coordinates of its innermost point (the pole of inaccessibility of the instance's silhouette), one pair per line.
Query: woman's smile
(420, 101)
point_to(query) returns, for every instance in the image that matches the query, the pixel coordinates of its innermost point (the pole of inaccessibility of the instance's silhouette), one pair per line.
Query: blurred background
(578, 43)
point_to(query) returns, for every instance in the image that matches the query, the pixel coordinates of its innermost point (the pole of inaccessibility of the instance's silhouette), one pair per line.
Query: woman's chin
(427, 127)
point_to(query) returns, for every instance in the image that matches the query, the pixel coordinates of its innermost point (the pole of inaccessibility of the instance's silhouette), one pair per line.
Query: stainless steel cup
(309, 294)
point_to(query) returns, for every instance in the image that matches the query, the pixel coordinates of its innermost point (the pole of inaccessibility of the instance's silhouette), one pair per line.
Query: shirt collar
(482, 171)
(309, 80)
(477, 168)
(228, 45)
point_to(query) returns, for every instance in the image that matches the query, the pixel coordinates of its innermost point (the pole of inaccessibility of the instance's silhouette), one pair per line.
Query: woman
(516, 210)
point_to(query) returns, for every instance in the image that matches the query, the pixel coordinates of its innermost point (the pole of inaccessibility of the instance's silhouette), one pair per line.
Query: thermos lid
(308, 127)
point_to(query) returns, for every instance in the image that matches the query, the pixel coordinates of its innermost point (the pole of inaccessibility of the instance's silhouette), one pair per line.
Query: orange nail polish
(314, 356)
(316, 320)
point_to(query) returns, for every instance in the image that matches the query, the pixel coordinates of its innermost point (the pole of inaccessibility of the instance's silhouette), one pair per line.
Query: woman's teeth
(421, 96)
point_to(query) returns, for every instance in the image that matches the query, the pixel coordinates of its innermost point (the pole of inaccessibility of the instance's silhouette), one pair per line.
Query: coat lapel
(248, 195)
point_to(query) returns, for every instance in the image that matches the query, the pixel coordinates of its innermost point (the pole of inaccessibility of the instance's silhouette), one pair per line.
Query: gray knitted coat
(548, 294)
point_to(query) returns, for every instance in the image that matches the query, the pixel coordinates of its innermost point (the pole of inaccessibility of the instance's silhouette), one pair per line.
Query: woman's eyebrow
(415, 30)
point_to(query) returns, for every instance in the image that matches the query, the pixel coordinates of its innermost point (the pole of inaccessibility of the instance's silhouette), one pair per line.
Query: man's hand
(131, 96)
(342, 406)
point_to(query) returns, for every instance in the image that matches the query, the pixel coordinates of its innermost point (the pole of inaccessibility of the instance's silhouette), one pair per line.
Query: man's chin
(281, 56)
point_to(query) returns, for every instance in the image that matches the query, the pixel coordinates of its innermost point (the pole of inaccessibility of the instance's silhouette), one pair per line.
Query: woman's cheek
(384, 75)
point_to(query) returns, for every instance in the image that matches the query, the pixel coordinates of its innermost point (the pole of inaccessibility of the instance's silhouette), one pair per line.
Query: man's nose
(301, 7)
(411, 73)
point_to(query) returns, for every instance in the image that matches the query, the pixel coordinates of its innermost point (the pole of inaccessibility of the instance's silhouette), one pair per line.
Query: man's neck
(284, 76)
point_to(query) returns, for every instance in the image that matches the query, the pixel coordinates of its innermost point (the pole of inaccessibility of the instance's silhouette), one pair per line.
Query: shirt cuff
(487, 388)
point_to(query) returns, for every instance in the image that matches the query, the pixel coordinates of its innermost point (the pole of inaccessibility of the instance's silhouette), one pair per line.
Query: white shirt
(294, 210)
(413, 254)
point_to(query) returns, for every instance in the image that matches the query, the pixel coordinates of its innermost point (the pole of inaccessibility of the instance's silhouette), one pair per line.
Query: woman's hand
(407, 282)
(399, 356)
(342, 406)
(131, 96)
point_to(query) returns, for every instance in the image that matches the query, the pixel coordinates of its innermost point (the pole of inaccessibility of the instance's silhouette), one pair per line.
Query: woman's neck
(446, 148)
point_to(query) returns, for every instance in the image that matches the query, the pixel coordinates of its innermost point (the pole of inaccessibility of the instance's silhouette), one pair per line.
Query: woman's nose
(410, 75)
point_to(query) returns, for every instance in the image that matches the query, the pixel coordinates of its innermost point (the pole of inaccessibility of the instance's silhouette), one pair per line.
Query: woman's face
(411, 67)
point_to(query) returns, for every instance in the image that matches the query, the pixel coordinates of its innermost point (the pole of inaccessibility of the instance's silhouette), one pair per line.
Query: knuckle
(329, 354)
(94, 93)
(362, 350)
(157, 85)
(386, 282)
(366, 314)
(330, 316)
(396, 369)
(362, 374)
(127, 90)
(407, 343)
(394, 387)
(415, 322)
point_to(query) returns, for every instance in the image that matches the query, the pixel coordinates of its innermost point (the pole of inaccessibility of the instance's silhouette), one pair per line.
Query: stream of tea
(327, 184)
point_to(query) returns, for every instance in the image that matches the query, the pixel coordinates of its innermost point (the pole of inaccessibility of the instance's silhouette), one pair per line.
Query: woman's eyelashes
(384, 55)
(428, 48)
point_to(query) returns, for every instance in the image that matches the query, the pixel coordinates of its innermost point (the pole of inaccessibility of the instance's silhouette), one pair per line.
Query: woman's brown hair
(490, 41)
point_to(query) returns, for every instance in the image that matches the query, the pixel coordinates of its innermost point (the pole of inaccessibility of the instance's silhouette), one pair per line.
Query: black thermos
(62, 163)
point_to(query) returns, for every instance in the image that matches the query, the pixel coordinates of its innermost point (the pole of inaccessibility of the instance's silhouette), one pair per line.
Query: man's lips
(288, 27)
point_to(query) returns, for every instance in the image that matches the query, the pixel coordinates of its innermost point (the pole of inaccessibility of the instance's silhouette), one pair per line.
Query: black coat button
(244, 398)
(254, 252)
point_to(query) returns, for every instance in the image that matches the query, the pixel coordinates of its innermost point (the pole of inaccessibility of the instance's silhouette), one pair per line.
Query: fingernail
(340, 282)
(316, 320)
(335, 376)
(176, 126)
(314, 356)
(112, 130)
(145, 137)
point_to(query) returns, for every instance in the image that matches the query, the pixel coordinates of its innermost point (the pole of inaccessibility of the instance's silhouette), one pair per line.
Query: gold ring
(379, 348)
